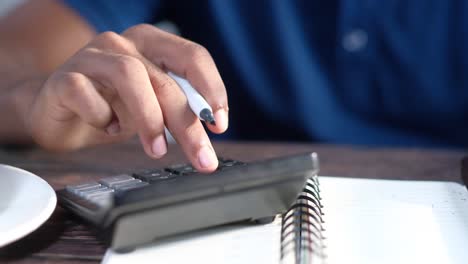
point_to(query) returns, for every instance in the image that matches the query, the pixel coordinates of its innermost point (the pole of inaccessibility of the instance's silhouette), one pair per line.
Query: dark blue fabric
(352, 71)
(105, 15)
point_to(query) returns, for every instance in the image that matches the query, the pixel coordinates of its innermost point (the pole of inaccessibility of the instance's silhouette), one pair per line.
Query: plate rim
(35, 222)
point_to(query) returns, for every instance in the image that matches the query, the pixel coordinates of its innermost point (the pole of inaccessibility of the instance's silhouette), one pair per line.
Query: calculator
(133, 209)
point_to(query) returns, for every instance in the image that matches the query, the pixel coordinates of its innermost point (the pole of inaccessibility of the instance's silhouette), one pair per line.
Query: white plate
(26, 201)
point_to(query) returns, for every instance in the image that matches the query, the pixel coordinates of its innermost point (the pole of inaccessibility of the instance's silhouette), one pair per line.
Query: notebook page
(232, 245)
(367, 221)
(385, 221)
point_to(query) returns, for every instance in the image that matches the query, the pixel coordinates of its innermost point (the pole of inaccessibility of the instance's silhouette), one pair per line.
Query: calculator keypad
(116, 180)
(100, 193)
(131, 185)
(152, 176)
(182, 169)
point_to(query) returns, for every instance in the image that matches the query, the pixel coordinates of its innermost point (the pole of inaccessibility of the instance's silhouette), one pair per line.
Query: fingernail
(159, 147)
(113, 128)
(206, 157)
(221, 117)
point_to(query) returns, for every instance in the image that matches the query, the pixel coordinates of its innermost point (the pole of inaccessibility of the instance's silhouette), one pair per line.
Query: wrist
(15, 105)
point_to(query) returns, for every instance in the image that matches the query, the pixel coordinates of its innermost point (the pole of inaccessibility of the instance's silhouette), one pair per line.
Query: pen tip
(207, 116)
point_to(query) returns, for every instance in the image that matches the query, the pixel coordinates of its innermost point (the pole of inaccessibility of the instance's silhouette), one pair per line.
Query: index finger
(187, 59)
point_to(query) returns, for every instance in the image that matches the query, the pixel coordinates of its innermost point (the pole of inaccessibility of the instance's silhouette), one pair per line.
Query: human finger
(129, 77)
(183, 123)
(188, 60)
(80, 95)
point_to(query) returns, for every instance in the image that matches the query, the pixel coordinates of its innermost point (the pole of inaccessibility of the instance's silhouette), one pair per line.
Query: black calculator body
(133, 209)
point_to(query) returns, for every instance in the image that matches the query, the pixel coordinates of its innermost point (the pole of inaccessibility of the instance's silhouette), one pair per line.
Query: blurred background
(7, 5)
(386, 73)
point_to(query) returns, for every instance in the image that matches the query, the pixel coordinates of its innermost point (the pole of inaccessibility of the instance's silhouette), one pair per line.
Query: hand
(117, 86)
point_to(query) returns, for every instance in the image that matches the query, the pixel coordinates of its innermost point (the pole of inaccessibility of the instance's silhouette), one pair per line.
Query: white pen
(196, 102)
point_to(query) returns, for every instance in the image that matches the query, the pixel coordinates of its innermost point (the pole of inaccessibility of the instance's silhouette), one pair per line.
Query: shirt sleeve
(105, 15)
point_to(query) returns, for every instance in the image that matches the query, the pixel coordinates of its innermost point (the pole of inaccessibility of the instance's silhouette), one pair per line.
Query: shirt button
(355, 40)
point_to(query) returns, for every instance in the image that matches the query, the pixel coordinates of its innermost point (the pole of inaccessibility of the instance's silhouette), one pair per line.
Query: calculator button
(122, 184)
(131, 186)
(89, 191)
(97, 194)
(182, 169)
(228, 163)
(114, 180)
(83, 187)
(102, 200)
(153, 175)
(106, 194)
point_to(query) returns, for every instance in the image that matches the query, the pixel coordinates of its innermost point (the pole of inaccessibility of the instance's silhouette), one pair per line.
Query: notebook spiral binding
(302, 239)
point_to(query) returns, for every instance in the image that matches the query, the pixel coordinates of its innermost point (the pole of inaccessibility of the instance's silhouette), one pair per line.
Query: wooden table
(63, 239)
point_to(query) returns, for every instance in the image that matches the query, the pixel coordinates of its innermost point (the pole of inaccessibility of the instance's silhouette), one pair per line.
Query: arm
(35, 38)
(76, 89)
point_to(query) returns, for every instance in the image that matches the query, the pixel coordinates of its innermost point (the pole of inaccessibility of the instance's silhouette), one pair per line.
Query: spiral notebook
(336, 220)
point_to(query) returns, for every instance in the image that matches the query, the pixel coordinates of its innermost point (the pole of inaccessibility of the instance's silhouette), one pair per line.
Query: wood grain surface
(64, 239)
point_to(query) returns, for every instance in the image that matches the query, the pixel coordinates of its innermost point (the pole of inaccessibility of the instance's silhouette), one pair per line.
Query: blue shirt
(353, 71)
